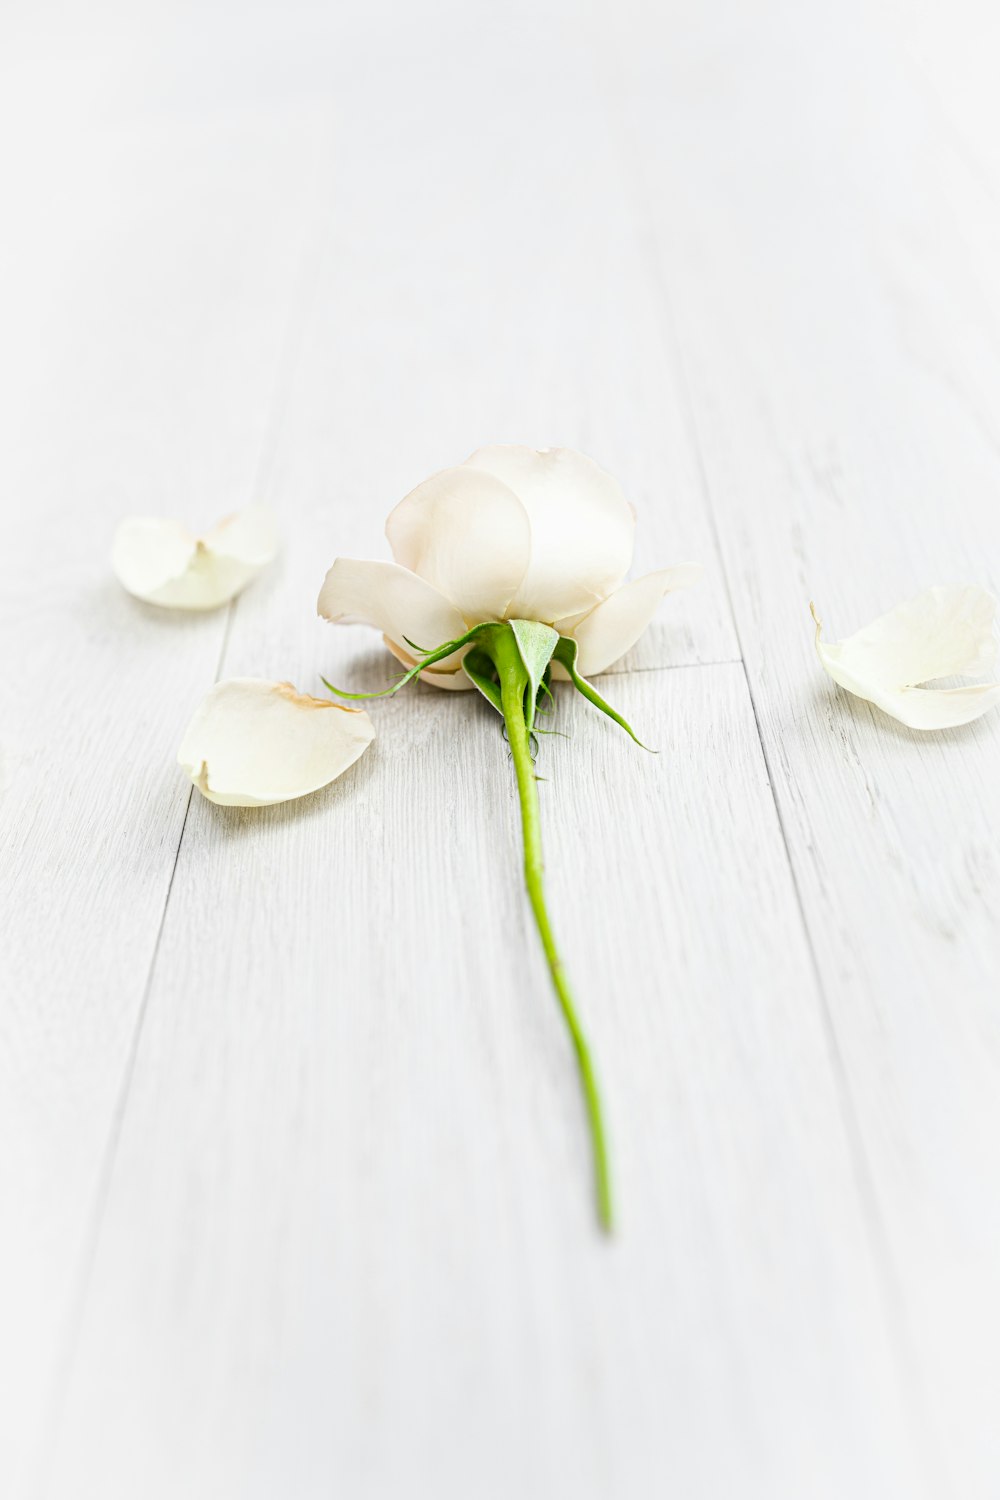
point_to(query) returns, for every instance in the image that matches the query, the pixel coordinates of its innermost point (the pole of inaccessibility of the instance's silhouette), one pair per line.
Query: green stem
(513, 684)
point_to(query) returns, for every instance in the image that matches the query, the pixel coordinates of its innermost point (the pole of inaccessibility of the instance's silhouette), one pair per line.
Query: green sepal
(536, 643)
(565, 654)
(479, 668)
(438, 654)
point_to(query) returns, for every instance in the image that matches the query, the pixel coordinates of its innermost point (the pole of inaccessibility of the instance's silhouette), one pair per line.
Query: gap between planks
(305, 285)
(64, 1372)
(897, 1322)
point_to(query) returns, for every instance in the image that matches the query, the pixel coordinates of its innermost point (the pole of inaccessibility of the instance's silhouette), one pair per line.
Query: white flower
(512, 533)
(163, 563)
(252, 743)
(944, 632)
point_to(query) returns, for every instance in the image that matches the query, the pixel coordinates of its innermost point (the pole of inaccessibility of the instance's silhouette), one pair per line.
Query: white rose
(513, 533)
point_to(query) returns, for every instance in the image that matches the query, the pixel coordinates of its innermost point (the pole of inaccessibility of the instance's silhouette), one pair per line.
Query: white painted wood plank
(834, 288)
(952, 50)
(149, 274)
(349, 1236)
(485, 284)
(349, 1242)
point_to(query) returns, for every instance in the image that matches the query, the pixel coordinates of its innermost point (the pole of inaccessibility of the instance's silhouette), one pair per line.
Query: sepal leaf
(478, 666)
(536, 643)
(565, 654)
(428, 660)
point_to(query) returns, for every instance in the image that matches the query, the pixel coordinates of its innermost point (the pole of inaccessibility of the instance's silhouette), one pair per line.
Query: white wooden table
(294, 1180)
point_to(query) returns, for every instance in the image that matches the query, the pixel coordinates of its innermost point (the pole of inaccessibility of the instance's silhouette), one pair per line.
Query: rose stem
(513, 685)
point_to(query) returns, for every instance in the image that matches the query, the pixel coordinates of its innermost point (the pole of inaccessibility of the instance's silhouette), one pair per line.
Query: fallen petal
(252, 743)
(163, 563)
(945, 631)
(248, 536)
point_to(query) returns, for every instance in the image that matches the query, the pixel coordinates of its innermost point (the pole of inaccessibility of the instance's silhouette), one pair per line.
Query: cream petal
(454, 680)
(614, 626)
(938, 708)
(468, 535)
(149, 554)
(252, 743)
(163, 563)
(394, 600)
(249, 536)
(582, 528)
(945, 631)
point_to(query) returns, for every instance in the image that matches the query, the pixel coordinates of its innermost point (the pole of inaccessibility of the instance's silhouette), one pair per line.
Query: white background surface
(294, 1180)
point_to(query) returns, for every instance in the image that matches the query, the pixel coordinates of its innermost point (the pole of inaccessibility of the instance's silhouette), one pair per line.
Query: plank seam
(673, 666)
(897, 1325)
(304, 288)
(88, 1254)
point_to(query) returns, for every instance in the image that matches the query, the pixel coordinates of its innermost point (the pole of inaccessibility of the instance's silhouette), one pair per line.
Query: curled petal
(394, 600)
(582, 528)
(248, 536)
(943, 632)
(467, 535)
(163, 563)
(453, 679)
(614, 626)
(252, 743)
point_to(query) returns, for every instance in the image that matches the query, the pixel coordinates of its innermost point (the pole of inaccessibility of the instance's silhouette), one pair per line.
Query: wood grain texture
(147, 295)
(484, 285)
(290, 1139)
(834, 306)
(350, 1221)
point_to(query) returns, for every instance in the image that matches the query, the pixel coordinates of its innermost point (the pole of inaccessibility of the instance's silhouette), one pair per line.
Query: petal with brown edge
(252, 743)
